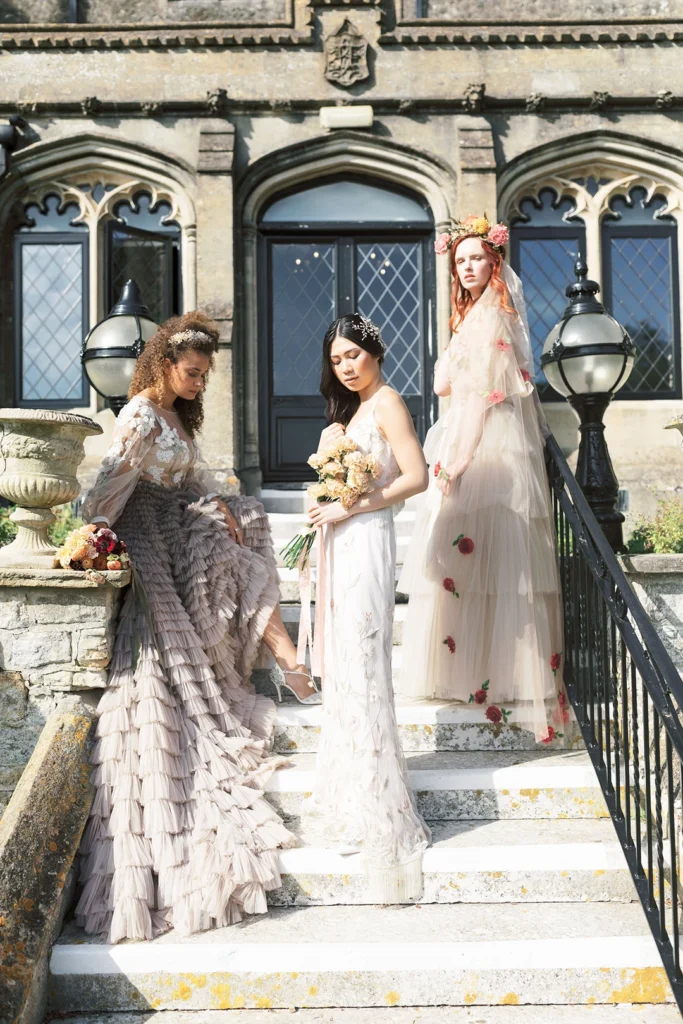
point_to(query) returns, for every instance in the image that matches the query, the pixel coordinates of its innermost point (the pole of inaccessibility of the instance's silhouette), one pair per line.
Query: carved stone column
(215, 284)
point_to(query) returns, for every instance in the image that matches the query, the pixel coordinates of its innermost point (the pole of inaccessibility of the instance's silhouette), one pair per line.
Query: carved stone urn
(40, 451)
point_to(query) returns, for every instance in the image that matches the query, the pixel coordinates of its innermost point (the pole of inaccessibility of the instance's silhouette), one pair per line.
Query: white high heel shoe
(279, 680)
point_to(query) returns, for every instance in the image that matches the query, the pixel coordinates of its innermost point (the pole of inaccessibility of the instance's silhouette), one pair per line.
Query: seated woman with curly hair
(180, 834)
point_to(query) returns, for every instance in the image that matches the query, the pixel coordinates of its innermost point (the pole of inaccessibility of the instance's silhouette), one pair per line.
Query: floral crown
(497, 235)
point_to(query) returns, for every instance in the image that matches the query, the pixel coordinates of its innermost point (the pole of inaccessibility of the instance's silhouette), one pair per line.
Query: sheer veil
(525, 354)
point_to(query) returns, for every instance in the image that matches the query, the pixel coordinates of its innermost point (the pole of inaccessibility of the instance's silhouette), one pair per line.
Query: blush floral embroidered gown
(361, 798)
(481, 571)
(180, 834)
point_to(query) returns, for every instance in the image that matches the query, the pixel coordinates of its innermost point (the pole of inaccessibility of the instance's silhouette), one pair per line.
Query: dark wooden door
(307, 281)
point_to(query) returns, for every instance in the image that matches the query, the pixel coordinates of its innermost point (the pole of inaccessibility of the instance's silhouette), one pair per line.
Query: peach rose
(442, 244)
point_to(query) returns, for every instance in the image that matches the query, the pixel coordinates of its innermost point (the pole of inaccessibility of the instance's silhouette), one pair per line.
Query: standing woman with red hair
(481, 571)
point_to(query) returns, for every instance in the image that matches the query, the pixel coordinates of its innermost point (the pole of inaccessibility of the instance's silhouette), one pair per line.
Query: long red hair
(461, 300)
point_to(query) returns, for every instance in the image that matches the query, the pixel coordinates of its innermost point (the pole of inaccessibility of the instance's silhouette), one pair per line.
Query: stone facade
(56, 636)
(216, 104)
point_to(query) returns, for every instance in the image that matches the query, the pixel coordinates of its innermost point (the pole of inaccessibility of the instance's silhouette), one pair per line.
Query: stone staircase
(528, 913)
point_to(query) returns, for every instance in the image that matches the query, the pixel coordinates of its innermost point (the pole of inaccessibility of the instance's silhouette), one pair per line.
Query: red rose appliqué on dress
(526, 376)
(550, 735)
(449, 585)
(495, 397)
(450, 644)
(465, 544)
(494, 714)
(555, 661)
(502, 345)
(437, 469)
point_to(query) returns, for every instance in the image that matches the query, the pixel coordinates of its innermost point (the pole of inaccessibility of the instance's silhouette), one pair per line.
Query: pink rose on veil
(498, 235)
(442, 243)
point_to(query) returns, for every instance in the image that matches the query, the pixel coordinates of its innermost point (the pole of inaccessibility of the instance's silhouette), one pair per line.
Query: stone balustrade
(56, 637)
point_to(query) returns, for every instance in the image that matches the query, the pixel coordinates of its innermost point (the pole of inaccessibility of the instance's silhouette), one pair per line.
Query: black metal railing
(628, 699)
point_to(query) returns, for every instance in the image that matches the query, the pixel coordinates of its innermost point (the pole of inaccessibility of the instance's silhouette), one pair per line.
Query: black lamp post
(587, 357)
(111, 349)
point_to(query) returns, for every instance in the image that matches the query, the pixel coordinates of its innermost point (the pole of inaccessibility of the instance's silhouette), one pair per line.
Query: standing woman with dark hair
(361, 800)
(180, 834)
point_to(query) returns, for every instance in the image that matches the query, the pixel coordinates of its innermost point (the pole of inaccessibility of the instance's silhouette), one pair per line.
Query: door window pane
(389, 285)
(52, 318)
(302, 308)
(347, 202)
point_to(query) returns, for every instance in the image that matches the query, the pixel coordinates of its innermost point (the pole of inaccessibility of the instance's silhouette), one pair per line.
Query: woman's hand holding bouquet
(88, 547)
(344, 474)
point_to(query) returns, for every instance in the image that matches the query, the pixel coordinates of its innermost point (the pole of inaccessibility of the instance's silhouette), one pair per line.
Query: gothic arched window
(76, 245)
(622, 224)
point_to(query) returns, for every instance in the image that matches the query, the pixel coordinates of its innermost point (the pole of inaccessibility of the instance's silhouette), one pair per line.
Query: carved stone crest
(347, 56)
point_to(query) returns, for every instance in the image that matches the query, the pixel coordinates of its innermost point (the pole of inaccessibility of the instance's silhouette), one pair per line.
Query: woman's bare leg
(279, 643)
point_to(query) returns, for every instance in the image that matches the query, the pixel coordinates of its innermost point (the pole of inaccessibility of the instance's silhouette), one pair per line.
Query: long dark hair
(342, 403)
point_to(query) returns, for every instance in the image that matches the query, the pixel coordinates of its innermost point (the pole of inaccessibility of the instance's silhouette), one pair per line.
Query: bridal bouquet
(88, 547)
(344, 473)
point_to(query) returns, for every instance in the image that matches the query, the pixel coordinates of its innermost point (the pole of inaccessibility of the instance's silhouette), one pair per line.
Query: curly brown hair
(149, 370)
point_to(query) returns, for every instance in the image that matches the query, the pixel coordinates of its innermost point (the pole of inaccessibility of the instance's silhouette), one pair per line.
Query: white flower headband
(177, 339)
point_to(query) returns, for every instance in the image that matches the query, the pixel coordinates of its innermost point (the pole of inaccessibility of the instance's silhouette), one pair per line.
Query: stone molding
(625, 32)
(475, 100)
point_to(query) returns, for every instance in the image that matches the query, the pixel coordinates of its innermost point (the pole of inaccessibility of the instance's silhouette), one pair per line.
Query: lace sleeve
(201, 480)
(136, 431)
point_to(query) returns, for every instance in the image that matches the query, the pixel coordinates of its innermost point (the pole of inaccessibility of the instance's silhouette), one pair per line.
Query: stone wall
(221, 111)
(56, 637)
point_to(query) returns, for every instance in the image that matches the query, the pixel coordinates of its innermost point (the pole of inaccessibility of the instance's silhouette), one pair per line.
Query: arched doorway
(326, 250)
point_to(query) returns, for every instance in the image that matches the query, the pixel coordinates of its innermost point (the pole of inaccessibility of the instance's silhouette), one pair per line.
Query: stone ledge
(39, 835)
(651, 564)
(63, 578)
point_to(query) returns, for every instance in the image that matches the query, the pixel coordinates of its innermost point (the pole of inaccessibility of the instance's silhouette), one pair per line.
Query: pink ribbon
(307, 637)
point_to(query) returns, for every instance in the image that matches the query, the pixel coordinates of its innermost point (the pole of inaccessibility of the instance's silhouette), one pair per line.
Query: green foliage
(660, 534)
(66, 522)
(7, 529)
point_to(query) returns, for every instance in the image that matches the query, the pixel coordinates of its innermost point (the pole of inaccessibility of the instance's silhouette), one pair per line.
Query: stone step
(604, 1014)
(351, 956)
(478, 784)
(424, 726)
(494, 861)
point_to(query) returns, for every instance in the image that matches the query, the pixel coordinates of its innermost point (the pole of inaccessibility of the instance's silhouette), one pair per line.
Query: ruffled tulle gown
(180, 834)
(361, 798)
(485, 613)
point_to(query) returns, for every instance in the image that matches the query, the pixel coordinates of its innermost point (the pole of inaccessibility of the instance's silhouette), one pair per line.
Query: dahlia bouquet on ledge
(344, 474)
(90, 547)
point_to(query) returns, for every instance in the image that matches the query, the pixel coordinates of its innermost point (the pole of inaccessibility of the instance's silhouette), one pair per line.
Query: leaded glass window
(389, 276)
(144, 244)
(51, 305)
(544, 247)
(303, 305)
(640, 275)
